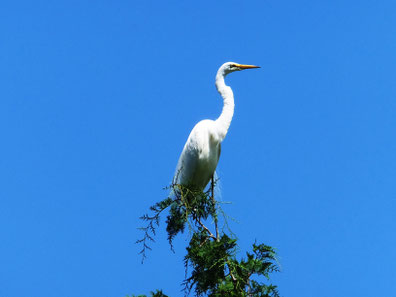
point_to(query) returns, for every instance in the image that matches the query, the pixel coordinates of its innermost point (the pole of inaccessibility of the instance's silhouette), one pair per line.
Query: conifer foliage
(211, 259)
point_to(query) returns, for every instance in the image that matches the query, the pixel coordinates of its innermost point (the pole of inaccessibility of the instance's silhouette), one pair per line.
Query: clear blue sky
(98, 98)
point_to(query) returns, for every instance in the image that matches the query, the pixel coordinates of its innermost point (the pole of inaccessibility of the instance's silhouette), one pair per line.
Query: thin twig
(205, 228)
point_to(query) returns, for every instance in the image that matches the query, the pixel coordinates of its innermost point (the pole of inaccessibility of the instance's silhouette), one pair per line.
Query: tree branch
(215, 214)
(205, 228)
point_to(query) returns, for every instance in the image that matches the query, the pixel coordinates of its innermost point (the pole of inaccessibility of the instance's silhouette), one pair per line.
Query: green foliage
(157, 293)
(211, 256)
(153, 222)
(216, 272)
(208, 258)
(188, 207)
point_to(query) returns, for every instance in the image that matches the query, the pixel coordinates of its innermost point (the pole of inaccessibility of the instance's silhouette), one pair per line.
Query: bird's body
(199, 158)
(201, 153)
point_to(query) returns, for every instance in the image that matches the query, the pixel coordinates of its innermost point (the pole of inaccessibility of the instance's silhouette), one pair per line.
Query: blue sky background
(98, 97)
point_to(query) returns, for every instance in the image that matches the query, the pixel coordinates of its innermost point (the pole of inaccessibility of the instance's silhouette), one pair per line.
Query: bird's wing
(197, 144)
(188, 160)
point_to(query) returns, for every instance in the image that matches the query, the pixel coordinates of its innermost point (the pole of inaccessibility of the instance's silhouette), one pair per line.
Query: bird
(198, 160)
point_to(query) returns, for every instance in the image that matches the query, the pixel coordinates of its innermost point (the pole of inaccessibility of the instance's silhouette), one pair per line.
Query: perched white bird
(201, 153)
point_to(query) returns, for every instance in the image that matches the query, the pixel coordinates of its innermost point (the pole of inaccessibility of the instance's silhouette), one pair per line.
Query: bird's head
(229, 67)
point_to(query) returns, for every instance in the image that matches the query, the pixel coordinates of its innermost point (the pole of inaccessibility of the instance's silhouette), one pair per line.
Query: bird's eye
(232, 66)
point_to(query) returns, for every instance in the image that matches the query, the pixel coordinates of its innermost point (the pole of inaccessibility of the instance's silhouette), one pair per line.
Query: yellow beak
(242, 66)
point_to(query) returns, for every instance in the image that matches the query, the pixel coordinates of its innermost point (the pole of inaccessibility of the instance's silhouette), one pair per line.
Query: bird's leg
(215, 214)
(212, 187)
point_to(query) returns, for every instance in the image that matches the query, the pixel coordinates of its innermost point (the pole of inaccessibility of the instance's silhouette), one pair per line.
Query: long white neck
(224, 120)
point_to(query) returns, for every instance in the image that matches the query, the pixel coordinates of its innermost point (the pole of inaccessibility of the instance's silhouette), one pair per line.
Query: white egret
(201, 153)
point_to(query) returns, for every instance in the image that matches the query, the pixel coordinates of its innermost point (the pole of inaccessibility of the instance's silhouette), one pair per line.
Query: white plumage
(201, 153)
